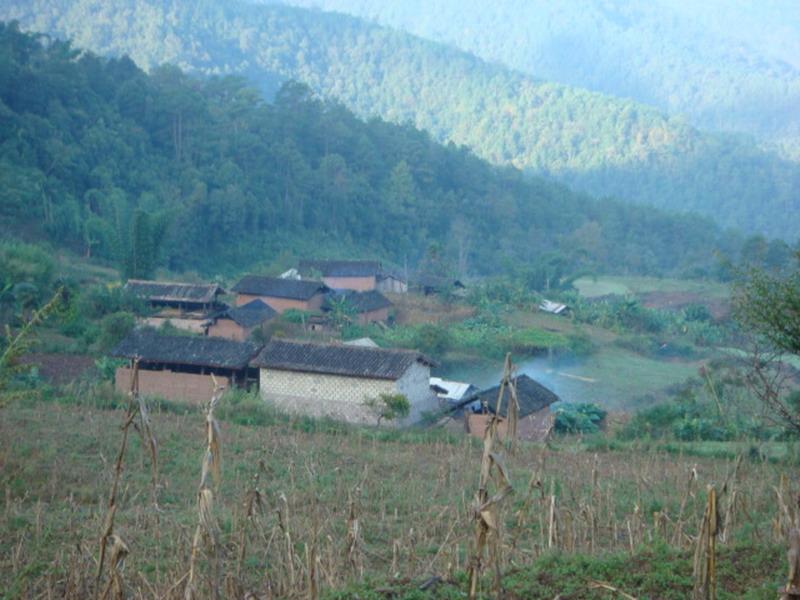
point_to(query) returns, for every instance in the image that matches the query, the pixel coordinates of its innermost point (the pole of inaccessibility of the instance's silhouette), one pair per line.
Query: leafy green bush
(579, 418)
(432, 339)
(113, 328)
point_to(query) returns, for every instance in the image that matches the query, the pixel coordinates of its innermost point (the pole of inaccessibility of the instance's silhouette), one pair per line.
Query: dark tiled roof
(439, 282)
(360, 301)
(248, 315)
(166, 291)
(279, 288)
(532, 397)
(186, 350)
(336, 359)
(342, 268)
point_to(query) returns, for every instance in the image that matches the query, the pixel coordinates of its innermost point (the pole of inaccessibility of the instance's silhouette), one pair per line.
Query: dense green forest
(603, 145)
(727, 65)
(169, 170)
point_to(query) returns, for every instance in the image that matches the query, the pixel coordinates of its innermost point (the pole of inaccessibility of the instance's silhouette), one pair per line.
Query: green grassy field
(591, 287)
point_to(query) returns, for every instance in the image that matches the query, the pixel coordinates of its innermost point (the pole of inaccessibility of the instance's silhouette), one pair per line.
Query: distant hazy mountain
(727, 64)
(605, 145)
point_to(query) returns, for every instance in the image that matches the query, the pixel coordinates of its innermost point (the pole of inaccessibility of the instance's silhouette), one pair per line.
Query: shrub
(113, 328)
(579, 418)
(432, 339)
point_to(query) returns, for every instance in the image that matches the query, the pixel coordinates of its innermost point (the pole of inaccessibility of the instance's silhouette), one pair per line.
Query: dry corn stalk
(486, 515)
(118, 553)
(146, 431)
(354, 543)
(792, 590)
(107, 534)
(206, 523)
(705, 556)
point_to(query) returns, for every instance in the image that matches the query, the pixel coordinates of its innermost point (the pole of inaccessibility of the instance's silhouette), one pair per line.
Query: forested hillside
(727, 65)
(167, 170)
(600, 144)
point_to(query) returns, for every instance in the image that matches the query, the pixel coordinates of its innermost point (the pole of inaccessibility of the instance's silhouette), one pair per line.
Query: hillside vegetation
(165, 170)
(604, 145)
(727, 65)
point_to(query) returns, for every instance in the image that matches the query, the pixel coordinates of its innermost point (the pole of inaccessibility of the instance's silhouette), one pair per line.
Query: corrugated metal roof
(454, 390)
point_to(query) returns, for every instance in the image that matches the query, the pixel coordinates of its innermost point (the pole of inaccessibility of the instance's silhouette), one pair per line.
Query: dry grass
(413, 309)
(321, 509)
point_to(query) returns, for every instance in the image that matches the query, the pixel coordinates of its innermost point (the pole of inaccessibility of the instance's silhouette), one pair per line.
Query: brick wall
(193, 325)
(341, 397)
(183, 387)
(228, 328)
(283, 304)
(534, 427)
(415, 384)
(360, 284)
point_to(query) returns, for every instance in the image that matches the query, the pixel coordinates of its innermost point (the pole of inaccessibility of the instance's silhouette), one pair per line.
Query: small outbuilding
(184, 305)
(239, 322)
(281, 294)
(358, 275)
(390, 282)
(180, 367)
(535, 421)
(367, 307)
(555, 308)
(335, 380)
(434, 284)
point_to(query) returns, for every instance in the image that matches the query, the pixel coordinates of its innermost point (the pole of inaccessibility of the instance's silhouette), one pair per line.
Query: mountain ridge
(607, 147)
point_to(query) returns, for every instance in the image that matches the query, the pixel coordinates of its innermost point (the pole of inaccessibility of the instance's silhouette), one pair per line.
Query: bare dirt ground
(411, 309)
(59, 369)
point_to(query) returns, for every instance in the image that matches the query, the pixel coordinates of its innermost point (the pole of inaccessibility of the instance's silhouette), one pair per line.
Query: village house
(180, 367)
(336, 380)
(357, 275)
(239, 322)
(535, 421)
(185, 305)
(391, 283)
(281, 294)
(368, 307)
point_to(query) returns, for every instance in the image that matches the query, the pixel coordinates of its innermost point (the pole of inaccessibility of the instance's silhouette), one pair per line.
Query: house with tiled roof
(239, 322)
(181, 367)
(534, 418)
(357, 275)
(185, 306)
(336, 380)
(281, 294)
(366, 307)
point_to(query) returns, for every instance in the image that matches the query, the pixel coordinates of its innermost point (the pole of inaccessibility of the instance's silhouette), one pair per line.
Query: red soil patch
(59, 369)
